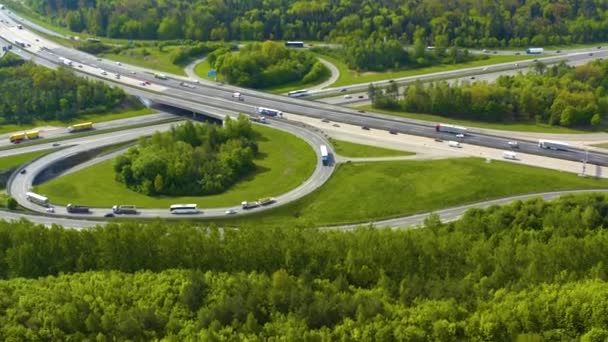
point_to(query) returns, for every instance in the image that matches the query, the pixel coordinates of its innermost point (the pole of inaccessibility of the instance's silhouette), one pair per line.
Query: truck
(238, 96)
(66, 61)
(268, 111)
(266, 201)
(450, 129)
(20, 27)
(454, 144)
(32, 134)
(124, 209)
(535, 51)
(161, 76)
(77, 209)
(18, 137)
(324, 155)
(553, 145)
(19, 43)
(80, 127)
(249, 205)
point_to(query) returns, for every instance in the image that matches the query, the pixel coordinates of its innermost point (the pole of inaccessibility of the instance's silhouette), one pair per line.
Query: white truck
(66, 61)
(259, 119)
(249, 205)
(535, 51)
(124, 209)
(238, 96)
(450, 129)
(553, 145)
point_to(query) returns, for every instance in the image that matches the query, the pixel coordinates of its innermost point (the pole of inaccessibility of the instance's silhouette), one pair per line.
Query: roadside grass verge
(95, 118)
(521, 126)
(350, 77)
(365, 192)
(88, 133)
(284, 162)
(354, 150)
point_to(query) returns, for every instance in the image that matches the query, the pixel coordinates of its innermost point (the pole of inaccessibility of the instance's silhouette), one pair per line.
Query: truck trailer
(324, 155)
(124, 209)
(77, 209)
(450, 129)
(249, 205)
(535, 51)
(553, 145)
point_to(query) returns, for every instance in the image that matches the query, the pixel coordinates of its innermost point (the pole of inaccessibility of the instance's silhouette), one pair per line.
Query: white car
(50, 210)
(460, 135)
(513, 144)
(348, 97)
(118, 63)
(230, 212)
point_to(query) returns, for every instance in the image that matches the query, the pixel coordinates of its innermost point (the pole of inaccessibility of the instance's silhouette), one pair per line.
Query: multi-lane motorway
(185, 93)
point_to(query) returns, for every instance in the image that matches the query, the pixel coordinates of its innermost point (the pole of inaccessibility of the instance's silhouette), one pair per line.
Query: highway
(19, 184)
(183, 92)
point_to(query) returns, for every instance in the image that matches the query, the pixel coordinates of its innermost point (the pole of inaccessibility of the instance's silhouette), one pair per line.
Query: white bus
(183, 209)
(38, 199)
(268, 111)
(298, 93)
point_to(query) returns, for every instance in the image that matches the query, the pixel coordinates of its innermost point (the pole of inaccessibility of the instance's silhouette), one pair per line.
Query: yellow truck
(80, 127)
(17, 137)
(32, 134)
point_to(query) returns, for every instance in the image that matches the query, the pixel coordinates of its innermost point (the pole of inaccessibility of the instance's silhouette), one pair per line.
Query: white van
(454, 144)
(509, 155)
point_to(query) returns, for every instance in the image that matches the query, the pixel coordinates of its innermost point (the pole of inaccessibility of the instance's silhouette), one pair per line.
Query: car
(599, 47)
(472, 77)
(348, 97)
(109, 215)
(485, 50)
(517, 65)
(80, 66)
(460, 135)
(393, 132)
(325, 120)
(391, 81)
(361, 111)
(438, 140)
(148, 82)
(361, 96)
(558, 51)
(365, 128)
(485, 69)
(24, 171)
(535, 60)
(336, 125)
(99, 59)
(230, 212)
(143, 84)
(56, 144)
(118, 63)
(50, 210)
(104, 73)
(517, 54)
(343, 90)
(590, 54)
(133, 73)
(513, 144)
(37, 40)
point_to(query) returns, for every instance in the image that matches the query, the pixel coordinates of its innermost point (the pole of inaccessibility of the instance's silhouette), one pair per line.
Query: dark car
(438, 140)
(365, 128)
(343, 90)
(109, 215)
(24, 171)
(392, 132)
(56, 144)
(325, 120)
(361, 111)
(361, 96)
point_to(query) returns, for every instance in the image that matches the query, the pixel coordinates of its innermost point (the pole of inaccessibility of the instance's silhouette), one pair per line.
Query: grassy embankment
(284, 162)
(520, 126)
(363, 192)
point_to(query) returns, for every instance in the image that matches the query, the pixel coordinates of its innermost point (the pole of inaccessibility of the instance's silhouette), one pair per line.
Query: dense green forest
(515, 23)
(557, 95)
(29, 92)
(190, 159)
(533, 268)
(266, 64)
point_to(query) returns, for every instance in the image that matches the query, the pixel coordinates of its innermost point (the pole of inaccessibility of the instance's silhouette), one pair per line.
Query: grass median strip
(284, 162)
(354, 150)
(88, 133)
(364, 192)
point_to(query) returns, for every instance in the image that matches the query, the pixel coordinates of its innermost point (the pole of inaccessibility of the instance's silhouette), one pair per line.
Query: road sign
(211, 73)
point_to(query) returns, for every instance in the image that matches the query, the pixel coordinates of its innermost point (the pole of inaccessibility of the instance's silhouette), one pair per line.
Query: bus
(183, 209)
(38, 199)
(298, 93)
(294, 44)
(268, 111)
(80, 127)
